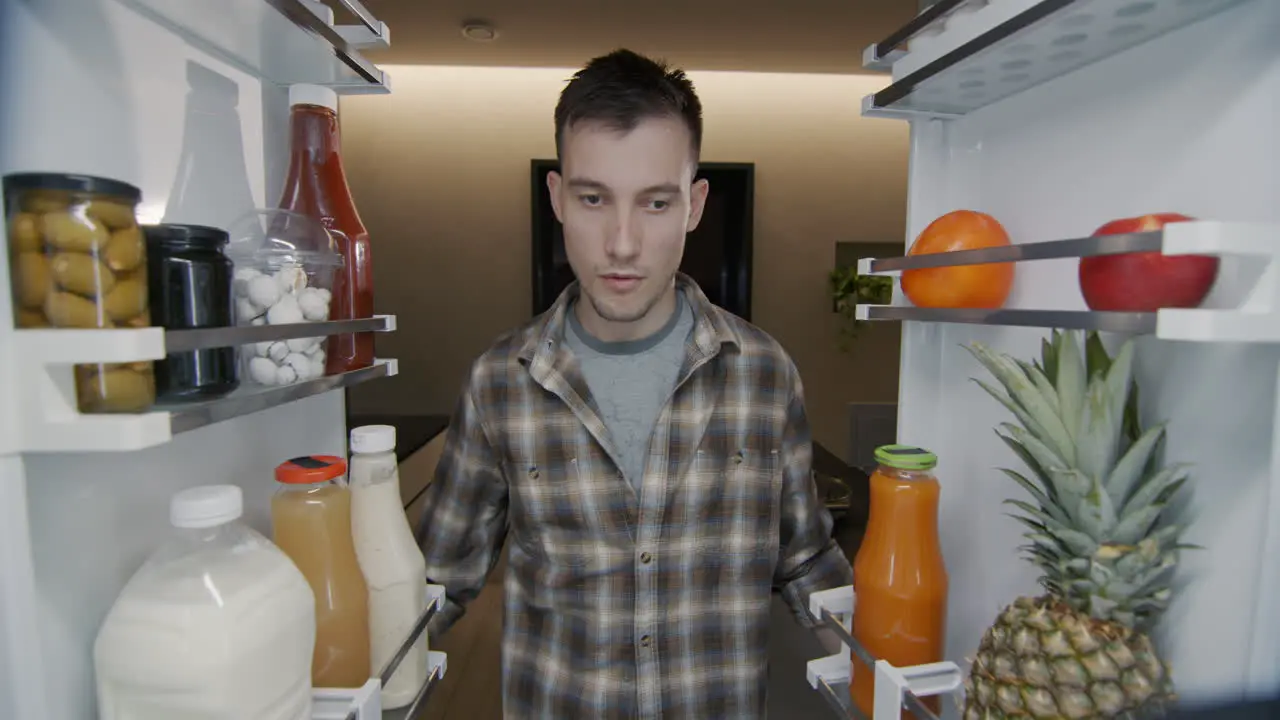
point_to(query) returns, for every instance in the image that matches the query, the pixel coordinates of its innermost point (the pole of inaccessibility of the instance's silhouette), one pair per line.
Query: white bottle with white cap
(390, 560)
(217, 623)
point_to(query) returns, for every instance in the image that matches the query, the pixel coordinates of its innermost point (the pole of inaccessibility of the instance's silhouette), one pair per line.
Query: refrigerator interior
(1186, 123)
(107, 88)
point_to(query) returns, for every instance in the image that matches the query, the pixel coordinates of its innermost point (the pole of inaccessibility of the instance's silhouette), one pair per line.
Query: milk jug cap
(373, 439)
(206, 506)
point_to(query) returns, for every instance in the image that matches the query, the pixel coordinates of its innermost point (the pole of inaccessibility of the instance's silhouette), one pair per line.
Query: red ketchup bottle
(317, 186)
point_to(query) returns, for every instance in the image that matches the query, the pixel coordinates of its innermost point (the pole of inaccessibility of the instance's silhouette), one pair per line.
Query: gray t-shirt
(631, 381)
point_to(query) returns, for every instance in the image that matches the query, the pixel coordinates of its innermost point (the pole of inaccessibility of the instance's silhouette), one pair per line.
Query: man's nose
(623, 243)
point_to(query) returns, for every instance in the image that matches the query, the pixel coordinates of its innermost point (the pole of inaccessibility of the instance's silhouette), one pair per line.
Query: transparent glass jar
(78, 260)
(285, 264)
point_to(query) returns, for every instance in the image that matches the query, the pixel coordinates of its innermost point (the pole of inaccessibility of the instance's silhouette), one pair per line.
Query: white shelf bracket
(435, 597)
(365, 702)
(872, 61)
(864, 268)
(392, 364)
(839, 602)
(337, 703)
(892, 683)
(870, 110)
(362, 38)
(1244, 304)
(47, 395)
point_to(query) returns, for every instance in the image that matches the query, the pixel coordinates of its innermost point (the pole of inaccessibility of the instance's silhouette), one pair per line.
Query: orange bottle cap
(310, 469)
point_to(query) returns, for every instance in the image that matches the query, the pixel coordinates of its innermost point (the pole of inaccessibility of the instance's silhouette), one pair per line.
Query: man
(646, 452)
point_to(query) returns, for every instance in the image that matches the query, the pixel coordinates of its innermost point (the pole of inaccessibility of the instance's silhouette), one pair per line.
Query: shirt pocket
(739, 492)
(549, 518)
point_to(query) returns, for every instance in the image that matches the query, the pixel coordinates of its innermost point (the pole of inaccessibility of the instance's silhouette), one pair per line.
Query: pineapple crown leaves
(1099, 493)
(1072, 433)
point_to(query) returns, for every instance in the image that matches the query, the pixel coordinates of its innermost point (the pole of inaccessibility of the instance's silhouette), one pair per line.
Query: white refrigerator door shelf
(1183, 121)
(187, 101)
(1006, 47)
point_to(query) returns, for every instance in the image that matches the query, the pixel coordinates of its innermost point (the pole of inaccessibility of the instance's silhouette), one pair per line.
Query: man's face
(626, 201)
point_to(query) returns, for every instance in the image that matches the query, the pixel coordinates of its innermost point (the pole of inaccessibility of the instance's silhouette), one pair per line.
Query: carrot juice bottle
(899, 579)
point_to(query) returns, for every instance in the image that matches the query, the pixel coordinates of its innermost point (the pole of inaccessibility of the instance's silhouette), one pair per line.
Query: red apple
(1145, 281)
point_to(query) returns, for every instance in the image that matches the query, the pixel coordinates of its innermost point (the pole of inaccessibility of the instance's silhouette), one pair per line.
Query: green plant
(849, 289)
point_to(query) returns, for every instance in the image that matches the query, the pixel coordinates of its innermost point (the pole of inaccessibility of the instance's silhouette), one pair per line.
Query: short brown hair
(621, 89)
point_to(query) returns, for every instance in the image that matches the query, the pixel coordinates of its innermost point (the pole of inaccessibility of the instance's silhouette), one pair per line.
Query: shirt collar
(710, 328)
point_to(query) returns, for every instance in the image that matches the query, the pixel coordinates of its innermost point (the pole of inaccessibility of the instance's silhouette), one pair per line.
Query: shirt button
(644, 641)
(646, 558)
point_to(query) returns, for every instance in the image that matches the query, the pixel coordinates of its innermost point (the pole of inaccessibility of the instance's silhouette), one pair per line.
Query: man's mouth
(620, 282)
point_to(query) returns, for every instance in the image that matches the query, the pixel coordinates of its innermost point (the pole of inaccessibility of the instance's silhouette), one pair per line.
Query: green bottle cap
(906, 457)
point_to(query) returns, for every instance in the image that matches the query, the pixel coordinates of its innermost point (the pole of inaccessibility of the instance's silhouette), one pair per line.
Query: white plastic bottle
(390, 559)
(217, 624)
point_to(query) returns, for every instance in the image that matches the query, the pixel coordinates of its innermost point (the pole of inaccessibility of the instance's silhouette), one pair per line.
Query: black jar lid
(87, 184)
(203, 237)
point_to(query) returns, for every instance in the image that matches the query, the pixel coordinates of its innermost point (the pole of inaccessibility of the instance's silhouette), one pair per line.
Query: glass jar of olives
(78, 260)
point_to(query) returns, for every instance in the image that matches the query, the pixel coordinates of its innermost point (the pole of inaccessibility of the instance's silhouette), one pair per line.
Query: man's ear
(697, 201)
(553, 185)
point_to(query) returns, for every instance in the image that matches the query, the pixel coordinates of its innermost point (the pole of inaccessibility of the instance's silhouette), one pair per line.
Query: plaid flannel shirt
(626, 604)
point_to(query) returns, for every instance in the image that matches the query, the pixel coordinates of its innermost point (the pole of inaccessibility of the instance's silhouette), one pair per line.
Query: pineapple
(1097, 533)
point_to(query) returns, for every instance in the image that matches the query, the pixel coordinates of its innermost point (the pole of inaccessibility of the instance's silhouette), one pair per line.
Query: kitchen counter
(850, 522)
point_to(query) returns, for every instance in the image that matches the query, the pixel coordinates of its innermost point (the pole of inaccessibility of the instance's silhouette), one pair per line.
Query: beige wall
(440, 171)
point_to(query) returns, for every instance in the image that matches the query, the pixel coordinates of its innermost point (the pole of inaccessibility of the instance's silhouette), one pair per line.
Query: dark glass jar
(189, 281)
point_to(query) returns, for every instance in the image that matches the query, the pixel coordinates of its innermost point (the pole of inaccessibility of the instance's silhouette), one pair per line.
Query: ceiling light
(479, 32)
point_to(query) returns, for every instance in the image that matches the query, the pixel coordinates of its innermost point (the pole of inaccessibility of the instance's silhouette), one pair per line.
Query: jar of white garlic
(284, 269)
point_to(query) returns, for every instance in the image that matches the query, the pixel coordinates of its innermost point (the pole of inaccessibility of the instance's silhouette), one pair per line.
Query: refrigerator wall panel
(21, 666)
(1185, 123)
(90, 86)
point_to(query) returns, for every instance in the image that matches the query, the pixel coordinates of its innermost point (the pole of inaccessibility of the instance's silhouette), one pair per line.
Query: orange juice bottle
(311, 523)
(900, 581)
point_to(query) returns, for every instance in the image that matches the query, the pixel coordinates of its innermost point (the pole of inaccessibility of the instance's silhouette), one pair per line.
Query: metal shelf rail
(364, 703)
(1244, 309)
(895, 687)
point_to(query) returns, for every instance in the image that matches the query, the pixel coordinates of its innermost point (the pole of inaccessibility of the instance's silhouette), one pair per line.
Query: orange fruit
(960, 286)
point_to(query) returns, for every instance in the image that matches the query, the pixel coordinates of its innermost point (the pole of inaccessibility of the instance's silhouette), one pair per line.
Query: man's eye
(659, 204)
(590, 199)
